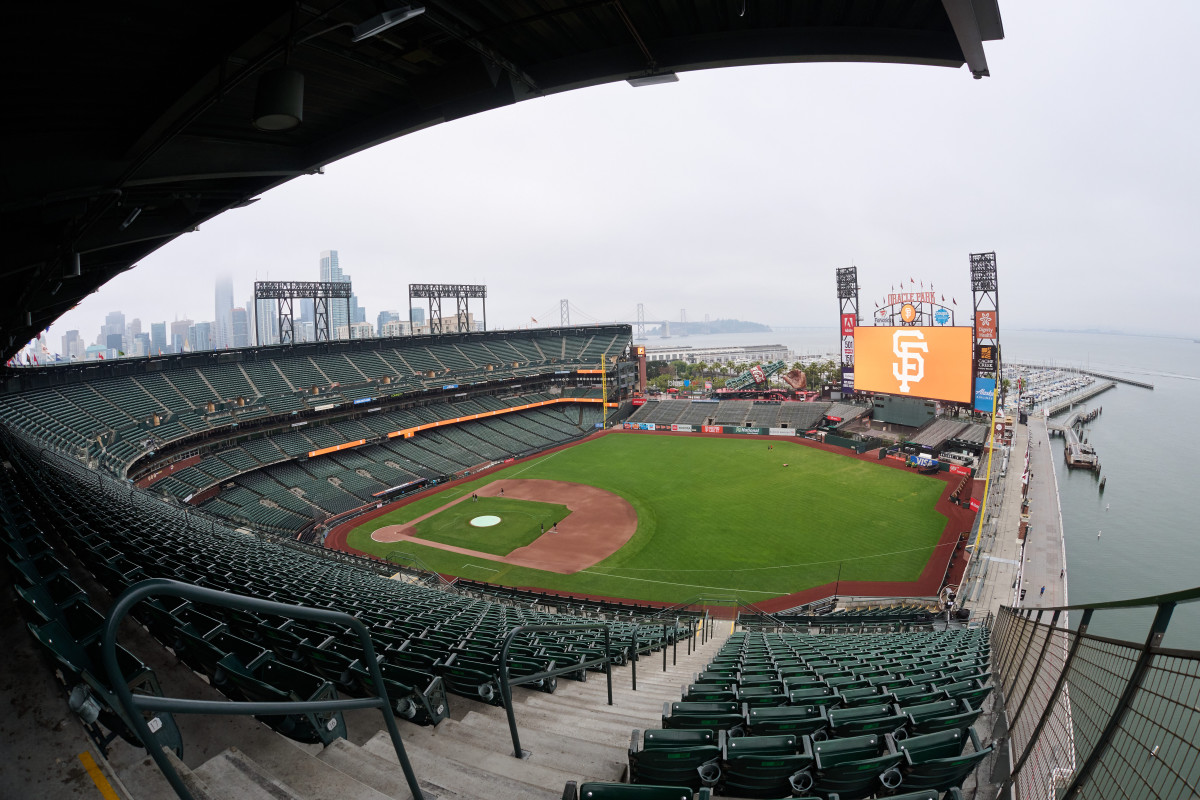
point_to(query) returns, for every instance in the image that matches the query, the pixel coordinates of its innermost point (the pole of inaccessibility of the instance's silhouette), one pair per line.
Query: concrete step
(606, 731)
(303, 767)
(463, 779)
(495, 755)
(591, 757)
(383, 775)
(585, 759)
(231, 773)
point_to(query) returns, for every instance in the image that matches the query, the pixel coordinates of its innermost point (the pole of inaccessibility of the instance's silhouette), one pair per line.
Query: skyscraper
(384, 318)
(332, 272)
(223, 323)
(158, 338)
(200, 336)
(241, 328)
(69, 340)
(179, 334)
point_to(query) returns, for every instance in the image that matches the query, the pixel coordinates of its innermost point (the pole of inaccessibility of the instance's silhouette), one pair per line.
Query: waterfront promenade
(1041, 559)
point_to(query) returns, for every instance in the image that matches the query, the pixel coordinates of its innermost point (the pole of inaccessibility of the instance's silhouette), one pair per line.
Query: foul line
(779, 566)
(689, 585)
(535, 463)
(93, 771)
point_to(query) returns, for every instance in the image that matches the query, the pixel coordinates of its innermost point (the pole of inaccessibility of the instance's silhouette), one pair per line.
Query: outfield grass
(720, 517)
(521, 521)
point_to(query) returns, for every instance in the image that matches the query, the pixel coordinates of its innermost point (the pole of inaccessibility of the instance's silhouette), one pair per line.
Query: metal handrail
(507, 682)
(132, 705)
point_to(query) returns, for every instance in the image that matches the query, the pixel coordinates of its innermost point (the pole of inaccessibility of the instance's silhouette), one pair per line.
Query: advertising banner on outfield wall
(782, 431)
(639, 401)
(960, 470)
(712, 429)
(682, 428)
(645, 426)
(751, 431)
(985, 389)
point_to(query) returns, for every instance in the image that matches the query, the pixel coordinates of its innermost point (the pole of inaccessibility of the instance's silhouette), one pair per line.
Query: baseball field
(668, 518)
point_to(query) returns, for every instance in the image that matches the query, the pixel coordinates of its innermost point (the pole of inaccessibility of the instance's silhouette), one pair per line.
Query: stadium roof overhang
(128, 124)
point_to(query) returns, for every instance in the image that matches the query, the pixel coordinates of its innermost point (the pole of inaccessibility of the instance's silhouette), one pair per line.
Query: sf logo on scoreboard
(909, 347)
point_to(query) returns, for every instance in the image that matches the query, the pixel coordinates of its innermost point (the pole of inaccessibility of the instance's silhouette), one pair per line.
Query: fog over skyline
(737, 193)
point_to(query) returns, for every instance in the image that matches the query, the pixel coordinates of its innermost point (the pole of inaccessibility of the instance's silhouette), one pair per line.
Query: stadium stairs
(571, 735)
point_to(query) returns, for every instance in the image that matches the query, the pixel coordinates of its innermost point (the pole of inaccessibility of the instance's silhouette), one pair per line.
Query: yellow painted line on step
(93, 770)
(731, 627)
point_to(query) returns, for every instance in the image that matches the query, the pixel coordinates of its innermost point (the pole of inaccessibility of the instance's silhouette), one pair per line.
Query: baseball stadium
(493, 564)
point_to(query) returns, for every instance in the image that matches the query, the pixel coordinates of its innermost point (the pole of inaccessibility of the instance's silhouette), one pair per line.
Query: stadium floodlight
(653, 80)
(381, 22)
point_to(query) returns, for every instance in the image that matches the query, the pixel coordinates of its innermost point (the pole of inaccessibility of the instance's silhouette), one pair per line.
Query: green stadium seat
(709, 692)
(765, 766)
(865, 719)
(675, 757)
(940, 716)
(855, 767)
(817, 696)
(702, 716)
(936, 760)
(625, 791)
(799, 720)
(274, 681)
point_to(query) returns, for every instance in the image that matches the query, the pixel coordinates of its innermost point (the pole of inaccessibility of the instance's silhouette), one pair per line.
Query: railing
(1096, 717)
(507, 681)
(132, 705)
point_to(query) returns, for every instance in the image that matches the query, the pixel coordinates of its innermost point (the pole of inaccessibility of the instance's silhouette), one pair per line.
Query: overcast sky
(738, 192)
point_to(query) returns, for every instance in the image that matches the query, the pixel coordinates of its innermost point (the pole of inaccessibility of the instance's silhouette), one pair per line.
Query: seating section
(288, 495)
(779, 715)
(114, 419)
(431, 643)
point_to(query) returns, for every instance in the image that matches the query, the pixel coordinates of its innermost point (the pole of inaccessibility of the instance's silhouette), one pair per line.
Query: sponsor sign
(897, 456)
(960, 470)
(590, 371)
(645, 426)
(911, 297)
(925, 362)
(324, 407)
(985, 357)
(986, 323)
(757, 373)
(974, 503)
(704, 400)
(908, 312)
(336, 448)
(708, 386)
(781, 431)
(682, 428)
(362, 400)
(848, 324)
(847, 380)
(687, 383)
(985, 389)
(941, 317)
(751, 431)
(639, 350)
(639, 401)
(833, 419)
(923, 461)
(449, 386)
(847, 350)
(711, 429)
(628, 426)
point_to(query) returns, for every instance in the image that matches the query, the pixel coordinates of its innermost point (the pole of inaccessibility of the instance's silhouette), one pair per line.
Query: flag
(922, 284)
(943, 298)
(910, 279)
(533, 320)
(952, 300)
(100, 356)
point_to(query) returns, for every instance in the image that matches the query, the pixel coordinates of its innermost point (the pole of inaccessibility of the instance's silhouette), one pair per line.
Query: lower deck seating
(777, 715)
(431, 643)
